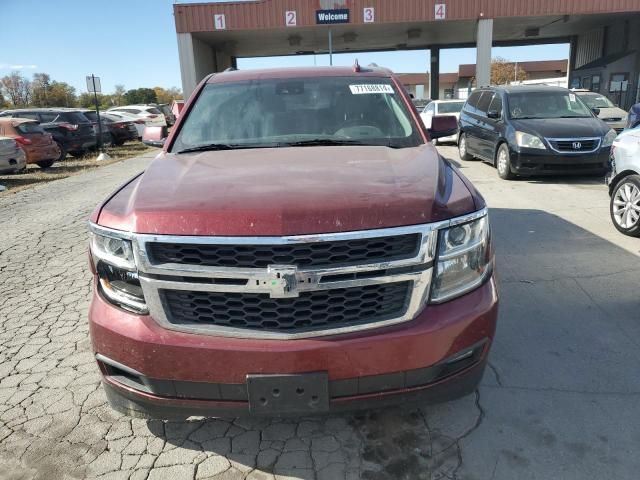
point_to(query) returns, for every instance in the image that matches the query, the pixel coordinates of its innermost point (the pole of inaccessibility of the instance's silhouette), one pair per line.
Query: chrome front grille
(341, 283)
(574, 145)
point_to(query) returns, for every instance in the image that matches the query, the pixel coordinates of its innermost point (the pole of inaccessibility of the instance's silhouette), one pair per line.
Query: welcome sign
(325, 17)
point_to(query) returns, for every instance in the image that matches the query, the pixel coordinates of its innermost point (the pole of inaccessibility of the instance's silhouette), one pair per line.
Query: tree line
(18, 91)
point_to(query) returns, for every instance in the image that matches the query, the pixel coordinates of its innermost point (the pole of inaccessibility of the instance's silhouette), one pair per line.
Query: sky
(133, 42)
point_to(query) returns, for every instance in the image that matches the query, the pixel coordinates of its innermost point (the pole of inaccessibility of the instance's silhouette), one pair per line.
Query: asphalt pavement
(560, 399)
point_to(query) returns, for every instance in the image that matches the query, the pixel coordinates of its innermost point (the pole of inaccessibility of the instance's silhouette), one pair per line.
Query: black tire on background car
(503, 163)
(624, 206)
(46, 164)
(462, 148)
(118, 143)
(77, 153)
(63, 152)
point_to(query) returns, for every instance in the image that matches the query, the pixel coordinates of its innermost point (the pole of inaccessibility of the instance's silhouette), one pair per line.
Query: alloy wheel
(626, 205)
(502, 161)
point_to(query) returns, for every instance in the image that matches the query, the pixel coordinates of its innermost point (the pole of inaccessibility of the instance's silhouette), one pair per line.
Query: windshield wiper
(573, 116)
(225, 146)
(320, 142)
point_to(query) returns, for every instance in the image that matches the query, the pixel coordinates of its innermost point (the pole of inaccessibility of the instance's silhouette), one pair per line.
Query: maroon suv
(299, 246)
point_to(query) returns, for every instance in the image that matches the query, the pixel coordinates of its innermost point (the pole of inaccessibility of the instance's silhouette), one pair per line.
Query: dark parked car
(168, 114)
(70, 129)
(633, 120)
(120, 130)
(531, 130)
(92, 116)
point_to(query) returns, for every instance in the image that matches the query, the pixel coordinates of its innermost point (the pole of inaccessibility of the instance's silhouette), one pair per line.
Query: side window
(48, 117)
(496, 104)
(472, 102)
(429, 109)
(29, 115)
(484, 102)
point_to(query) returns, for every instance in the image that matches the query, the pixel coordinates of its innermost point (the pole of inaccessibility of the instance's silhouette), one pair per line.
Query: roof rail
(230, 69)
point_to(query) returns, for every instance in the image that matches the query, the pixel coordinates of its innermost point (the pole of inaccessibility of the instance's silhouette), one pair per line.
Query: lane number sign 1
(369, 15)
(441, 11)
(219, 22)
(290, 18)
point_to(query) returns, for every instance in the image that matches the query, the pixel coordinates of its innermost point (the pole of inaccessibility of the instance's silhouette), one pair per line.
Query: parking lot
(558, 401)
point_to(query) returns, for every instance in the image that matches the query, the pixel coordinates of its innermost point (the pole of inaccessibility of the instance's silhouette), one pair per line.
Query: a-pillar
(434, 80)
(484, 40)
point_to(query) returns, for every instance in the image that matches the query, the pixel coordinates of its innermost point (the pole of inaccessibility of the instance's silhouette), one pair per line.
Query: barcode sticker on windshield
(370, 88)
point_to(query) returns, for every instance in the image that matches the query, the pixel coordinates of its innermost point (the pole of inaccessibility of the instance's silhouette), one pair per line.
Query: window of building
(586, 83)
(595, 83)
(618, 82)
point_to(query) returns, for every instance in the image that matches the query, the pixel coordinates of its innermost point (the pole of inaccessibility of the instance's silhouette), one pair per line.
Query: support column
(187, 63)
(484, 40)
(434, 78)
(572, 59)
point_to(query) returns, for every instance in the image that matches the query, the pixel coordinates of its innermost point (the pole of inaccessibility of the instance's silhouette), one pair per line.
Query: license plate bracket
(288, 394)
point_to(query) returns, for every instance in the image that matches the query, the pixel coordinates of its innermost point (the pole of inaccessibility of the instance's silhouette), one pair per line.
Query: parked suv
(71, 130)
(624, 182)
(38, 145)
(532, 130)
(151, 114)
(297, 247)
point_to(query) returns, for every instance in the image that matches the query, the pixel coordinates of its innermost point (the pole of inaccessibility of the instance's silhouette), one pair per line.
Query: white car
(139, 123)
(624, 182)
(151, 115)
(442, 107)
(613, 116)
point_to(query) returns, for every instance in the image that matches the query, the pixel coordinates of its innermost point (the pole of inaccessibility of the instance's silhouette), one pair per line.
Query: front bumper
(171, 374)
(546, 162)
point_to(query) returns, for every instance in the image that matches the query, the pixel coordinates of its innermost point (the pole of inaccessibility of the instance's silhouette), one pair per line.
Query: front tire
(46, 164)
(462, 148)
(624, 206)
(503, 163)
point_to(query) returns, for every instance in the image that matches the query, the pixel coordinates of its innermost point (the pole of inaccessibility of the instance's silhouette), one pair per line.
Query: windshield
(283, 112)
(593, 100)
(554, 104)
(450, 107)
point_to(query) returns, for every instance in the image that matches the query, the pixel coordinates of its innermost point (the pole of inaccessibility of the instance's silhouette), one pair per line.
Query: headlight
(113, 250)
(527, 140)
(464, 259)
(117, 273)
(609, 138)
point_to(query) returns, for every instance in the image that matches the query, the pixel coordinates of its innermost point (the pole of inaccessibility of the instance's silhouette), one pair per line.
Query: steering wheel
(354, 127)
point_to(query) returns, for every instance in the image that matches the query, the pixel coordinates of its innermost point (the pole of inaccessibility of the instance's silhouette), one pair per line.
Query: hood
(289, 191)
(562, 127)
(612, 112)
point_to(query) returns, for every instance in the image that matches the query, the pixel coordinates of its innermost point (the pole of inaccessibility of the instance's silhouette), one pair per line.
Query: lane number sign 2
(219, 22)
(441, 11)
(369, 15)
(290, 18)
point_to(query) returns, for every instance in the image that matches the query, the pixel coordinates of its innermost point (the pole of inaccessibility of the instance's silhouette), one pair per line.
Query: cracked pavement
(559, 399)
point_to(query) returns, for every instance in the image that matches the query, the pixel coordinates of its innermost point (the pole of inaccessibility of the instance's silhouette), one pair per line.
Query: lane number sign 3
(369, 15)
(290, 18)
(441, 11)
(219, 22)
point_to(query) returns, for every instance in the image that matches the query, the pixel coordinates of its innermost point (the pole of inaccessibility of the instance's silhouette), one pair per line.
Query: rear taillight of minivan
(69, 126)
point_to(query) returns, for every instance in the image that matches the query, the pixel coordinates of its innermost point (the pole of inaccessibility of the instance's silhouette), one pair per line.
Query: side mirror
(596, 110)
(443, 126)
(154, 136)
(493, 114)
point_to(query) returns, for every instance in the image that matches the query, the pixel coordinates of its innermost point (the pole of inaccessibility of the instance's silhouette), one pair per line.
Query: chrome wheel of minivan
(625, 206)
(503, 163)
(462, 147)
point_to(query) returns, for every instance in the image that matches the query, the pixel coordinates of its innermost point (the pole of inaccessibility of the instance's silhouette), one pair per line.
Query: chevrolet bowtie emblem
(282, 282)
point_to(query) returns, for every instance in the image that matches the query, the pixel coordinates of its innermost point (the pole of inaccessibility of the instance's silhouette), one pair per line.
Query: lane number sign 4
(290, 18)
(441, 11)
(369, 15)
(219, 22)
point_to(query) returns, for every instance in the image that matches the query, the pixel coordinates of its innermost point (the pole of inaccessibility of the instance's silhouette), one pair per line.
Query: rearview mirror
(596, 110)
(154, 136)
(443, 126)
